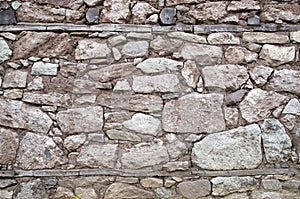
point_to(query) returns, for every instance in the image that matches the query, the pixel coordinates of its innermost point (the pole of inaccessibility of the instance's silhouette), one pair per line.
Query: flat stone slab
(9, 144)
(277, 55)
(205, 116)
(218, 151)
(157, 65)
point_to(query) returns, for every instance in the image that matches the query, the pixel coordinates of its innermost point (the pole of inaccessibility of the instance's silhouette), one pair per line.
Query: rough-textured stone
(122, 135)
(259, 194)
(225, 185)
(218, 151)
(277, 144)
(141, 10)
(260, 74)
(263, 38)
(7, 17)
(32, 189)
(9, 145)
(225, 76)
(144, 155)
(135, 49)
(98, 155)
(16, 114)
(73, 142)
(13, 94)
(112, 72)
(258, 104)
(167, 16)
(211, 11)
(115, 11)
(235, 55)
(194, 189)
(157, 65)
(295, 36)
(236, 196)
(89, 49)
(281, 11)
(205, 116)
(122, 85)
(144, 124)
(188, 37)
(235, 97)
(5, 194)
(121, 190)
(44, 44)
(7, 183)
(271, 184)
(15, 79)
(92, 15)
(243, 5)
(277, 55)
(5, 51)
(160, 83)
(142, 103)
(92, 2)
(86, 193)
(165, 45)
(190, 73)
(222, 38)
(176, 2)
(231, 117)
(54, 99)
(202, 54)
(39, 152)
(41, 68)
(175, 147)
(285, 80)
(176, 166)
(152, 182)
(293, 107)
(80, 120)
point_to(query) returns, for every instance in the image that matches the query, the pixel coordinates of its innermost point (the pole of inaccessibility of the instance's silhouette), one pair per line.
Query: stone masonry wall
(149, 99)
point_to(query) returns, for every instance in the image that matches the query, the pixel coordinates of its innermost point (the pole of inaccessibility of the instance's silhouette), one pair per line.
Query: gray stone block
(167, 16)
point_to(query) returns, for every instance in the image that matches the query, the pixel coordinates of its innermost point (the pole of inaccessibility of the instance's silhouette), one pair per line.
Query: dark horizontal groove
(61, 27)
(141, 173)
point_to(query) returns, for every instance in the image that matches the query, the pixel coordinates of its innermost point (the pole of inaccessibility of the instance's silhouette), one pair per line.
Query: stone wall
(149, 99)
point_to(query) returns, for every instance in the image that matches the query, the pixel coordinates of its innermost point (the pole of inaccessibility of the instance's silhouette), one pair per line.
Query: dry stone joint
(167, 99)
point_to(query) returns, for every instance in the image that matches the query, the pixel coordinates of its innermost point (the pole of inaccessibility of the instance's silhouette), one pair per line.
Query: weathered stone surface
(160, 83)
(202, 54)
(7, 183)
(152, 182)
(175, 147)
(222, 38)
(281, 11)
(36, 84)
(7, 16)
(165, 45)
(5, 194)
(16, 114)
(104, 155)
(15, 79)
(225, 76)
(176, 2)
(260, 74)
(277, 55)
(32, 189)
(73, 142)
(194, 189)
(89, 49)
(135, 49)
(157, 65)
(271, 184)
(31, 12)
(142, 103)
(92, 2)
(13, 94)
(45, 44)
(115, 11)
(293, 107)
(243, 5)
(211, 11)
(225, 185)
(205, 116)
(92, 15)
(258, 104)
(144, 124)
(39, 152)
(259, 194)
(231, 117)
(56, 99)
(218, 151)
(235, 55)
(277, 144)
(121, 190)
(176, 166)
(9, 145)
(41, 68)
(263, 38)
(122, 135)
(86, 193)
(5, 51)
(144, 155)
(112, 72)
(117, 40)
(141, 10)
(190, 73)
(285, 80)
(167, 16)
(80, 120)
(295, 36)
(235, 97)
(237, 196)
(122, 85)
(188, 37)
